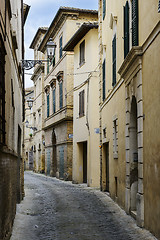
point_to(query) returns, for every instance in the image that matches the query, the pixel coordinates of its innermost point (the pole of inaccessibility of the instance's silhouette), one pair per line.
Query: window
(60, 94)
(114, 61)
(60, 47)
(134, 22)
(104, 8)
(126, 29)
(82, 53)
(104, 79)
(2, 95)
(115, 137)
(48, 105)
(159, 6)
(47, 66)
(54, 100)
(81, 104)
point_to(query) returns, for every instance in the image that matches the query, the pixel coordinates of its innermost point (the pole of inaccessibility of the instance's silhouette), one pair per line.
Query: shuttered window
(81, 104)
(104, 79)
(126, 29)
(114, 61)
(104, 8)
(54, 100)
(48, 105)
(82, 53)
(2, 95)
(47, 66)
(134, 22)
(60, 94)
(60, 47)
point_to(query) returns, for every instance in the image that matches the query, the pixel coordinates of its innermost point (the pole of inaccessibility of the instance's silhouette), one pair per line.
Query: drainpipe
(100, 84)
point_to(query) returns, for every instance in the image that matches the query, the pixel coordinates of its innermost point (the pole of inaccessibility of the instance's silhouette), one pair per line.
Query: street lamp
(28, 64)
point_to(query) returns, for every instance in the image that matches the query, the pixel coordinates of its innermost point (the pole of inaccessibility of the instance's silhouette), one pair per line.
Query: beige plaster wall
(151, 139)
(80, 131)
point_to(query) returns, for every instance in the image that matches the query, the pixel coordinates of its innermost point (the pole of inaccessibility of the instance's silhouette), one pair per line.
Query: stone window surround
(115, 137)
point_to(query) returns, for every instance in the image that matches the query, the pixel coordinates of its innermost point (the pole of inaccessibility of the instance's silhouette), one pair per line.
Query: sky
(41, 14)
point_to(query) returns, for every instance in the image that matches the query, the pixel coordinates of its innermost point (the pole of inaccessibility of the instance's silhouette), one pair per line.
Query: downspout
(100, 85)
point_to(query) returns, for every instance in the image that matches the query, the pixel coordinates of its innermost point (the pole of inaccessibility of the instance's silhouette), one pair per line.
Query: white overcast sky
(41, 14)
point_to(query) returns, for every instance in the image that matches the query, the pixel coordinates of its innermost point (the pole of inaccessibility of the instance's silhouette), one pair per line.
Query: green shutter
(60, 95)
(104, 8)
(134, 22)
(114, 61)
(60, 47)
(48, 105)
(126, 29)
(54, 100)
(104, 79)
(47, 66)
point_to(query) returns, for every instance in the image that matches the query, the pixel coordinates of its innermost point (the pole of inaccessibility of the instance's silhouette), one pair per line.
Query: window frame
(135, 23)
(54, 99)
(104, 79)
(104, 9)
(82, 53)
(60, 46)
(81, 103)
(126, 14)
(48, 105)
(60, 94)
(114, 62)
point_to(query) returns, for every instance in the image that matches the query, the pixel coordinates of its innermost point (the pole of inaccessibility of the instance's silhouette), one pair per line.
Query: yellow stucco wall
(80, 131)
(151, 96)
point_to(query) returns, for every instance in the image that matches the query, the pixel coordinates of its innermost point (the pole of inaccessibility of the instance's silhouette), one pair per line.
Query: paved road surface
(58, 210)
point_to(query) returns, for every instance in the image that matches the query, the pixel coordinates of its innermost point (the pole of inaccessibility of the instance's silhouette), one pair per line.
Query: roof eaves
(81, 32)
(40, 29)
(63, 10)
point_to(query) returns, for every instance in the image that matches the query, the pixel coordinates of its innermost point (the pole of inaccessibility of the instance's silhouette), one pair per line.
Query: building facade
(58, 83)
(129, 89)
(12, 19)
(86, 164)
(28, 132)
(38, 104)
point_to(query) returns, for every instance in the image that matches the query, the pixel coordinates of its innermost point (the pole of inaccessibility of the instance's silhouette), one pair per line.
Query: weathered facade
(12, 18)
(28, 150)
(38, 104)
(86, 164)
(129, 90)
(58, 85)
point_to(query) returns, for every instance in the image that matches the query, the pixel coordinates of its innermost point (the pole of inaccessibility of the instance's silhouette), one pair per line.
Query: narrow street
(58, 210)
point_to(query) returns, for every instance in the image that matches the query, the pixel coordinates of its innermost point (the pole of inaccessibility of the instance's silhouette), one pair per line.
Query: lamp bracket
(29, 64)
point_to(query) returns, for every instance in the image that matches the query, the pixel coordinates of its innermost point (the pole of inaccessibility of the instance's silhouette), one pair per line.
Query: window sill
(115, 155)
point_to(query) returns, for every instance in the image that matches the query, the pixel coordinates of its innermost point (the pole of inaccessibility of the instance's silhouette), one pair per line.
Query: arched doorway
(133, 142)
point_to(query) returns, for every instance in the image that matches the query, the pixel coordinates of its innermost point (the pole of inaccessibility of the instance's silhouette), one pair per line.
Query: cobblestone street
(58, 210)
